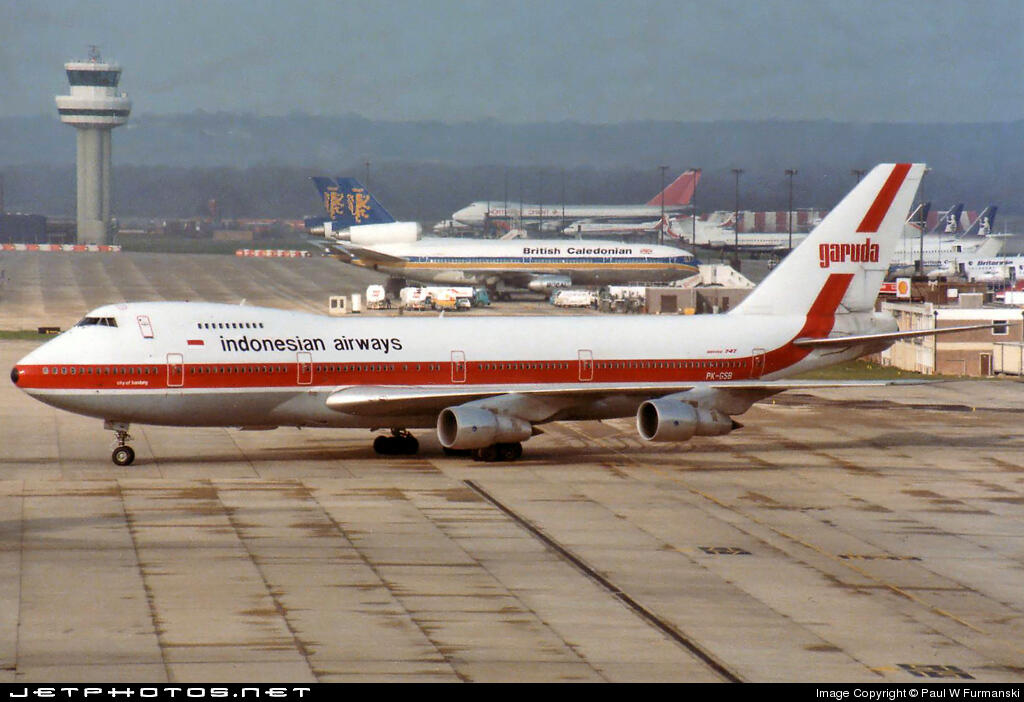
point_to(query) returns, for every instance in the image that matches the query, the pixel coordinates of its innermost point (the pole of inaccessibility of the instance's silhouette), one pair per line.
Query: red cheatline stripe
(873, 219)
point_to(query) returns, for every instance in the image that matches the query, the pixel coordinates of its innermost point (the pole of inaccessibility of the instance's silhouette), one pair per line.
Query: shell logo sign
(903, 288)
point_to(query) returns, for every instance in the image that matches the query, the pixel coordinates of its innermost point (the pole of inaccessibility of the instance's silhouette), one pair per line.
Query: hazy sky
(596, 61)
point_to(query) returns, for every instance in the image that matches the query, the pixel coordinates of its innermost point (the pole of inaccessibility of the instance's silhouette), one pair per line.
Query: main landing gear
(400, 443)
(123, 454)
(498, 452)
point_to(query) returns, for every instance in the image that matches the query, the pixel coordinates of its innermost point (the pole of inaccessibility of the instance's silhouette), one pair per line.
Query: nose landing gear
(123, 454)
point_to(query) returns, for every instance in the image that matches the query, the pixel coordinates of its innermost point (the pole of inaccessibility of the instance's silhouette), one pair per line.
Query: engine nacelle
(473, 427)
(672, 420)
(547, 283)
(371, 234)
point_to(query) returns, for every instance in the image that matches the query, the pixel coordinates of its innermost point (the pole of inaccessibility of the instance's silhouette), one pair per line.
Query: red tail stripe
(876, 213)
(822, 315)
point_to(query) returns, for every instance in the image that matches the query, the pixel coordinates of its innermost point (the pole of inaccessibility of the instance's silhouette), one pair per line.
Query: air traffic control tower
(94, 107)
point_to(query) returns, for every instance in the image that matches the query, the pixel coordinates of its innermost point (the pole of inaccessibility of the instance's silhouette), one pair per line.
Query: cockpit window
(100, 321)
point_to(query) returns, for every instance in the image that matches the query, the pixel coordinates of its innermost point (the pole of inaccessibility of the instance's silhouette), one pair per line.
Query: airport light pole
(561, 225)
(540, 201)
(693, 208)
(736, 214)
(661, 228)
(920, 192)
(790, 172)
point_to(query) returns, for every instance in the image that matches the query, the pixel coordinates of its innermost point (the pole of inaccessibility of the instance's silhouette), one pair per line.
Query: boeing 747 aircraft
(487, 384)
(673, 199)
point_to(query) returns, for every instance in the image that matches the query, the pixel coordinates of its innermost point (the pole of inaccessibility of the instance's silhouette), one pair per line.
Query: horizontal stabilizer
(838, 341)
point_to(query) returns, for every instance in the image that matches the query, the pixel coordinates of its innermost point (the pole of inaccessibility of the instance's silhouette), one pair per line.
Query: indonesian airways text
(298, 343)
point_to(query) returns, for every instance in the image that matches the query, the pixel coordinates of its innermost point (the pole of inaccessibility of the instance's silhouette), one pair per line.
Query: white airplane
(484, 384)
(540, 265)
(377, 241)
(943, 251)
(675, 198)
(999, 269)
(721, 235)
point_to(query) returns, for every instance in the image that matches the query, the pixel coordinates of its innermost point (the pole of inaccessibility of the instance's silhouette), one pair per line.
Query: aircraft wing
(535, 400)
(350, 251)
(330, 248)
(370, 255)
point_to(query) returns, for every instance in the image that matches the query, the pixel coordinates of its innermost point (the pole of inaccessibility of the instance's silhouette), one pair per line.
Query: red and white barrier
(88, 248)
(273, 253)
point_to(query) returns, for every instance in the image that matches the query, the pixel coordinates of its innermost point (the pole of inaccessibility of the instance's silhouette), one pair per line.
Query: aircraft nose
(15, 374)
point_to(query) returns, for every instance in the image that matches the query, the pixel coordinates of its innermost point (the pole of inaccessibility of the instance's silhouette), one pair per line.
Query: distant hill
(171, 165)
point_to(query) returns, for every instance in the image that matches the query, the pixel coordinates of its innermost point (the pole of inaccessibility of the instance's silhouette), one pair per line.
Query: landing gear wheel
(510, 452)
(408, 445)
(382, 445)
(488, 454)
(123, 455)
(498, 452)
(400, 443)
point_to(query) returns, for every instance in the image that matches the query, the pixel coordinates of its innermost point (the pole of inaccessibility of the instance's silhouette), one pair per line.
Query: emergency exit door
(305, 368)
(458, 367)
(175, 370)
(586, 361)
(756, 363)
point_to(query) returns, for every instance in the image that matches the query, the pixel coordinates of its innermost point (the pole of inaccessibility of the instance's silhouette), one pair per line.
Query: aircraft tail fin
(948, 222)
(680, 191)
(840, 266)
(982, 226)
(348, 203)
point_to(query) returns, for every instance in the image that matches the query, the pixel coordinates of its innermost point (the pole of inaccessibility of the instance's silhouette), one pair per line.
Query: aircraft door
(586, 358)
(145, 326)
(458, 367)
(756, 363)
(175, 370)
(305, 367)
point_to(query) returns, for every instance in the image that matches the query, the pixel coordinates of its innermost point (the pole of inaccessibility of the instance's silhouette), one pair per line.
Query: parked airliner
(367, 233)
(945, 250)
(484, 384)
(674, 198)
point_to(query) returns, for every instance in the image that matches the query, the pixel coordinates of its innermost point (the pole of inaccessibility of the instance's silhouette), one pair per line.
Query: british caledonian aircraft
(485, 383)
(361, 228)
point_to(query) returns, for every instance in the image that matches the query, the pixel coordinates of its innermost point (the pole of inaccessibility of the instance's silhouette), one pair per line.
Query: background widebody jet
(369, 236)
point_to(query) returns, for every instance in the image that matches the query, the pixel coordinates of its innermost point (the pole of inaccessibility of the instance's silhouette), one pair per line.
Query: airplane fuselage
(202, 364)
(478, 213)
(517, 261)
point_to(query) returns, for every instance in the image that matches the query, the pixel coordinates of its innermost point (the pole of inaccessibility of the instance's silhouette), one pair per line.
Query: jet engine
(473, 428)
(672, 420)
(373, 234)
(547, 283)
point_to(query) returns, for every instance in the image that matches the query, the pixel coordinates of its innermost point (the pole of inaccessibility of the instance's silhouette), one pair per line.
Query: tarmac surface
(841, 536)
